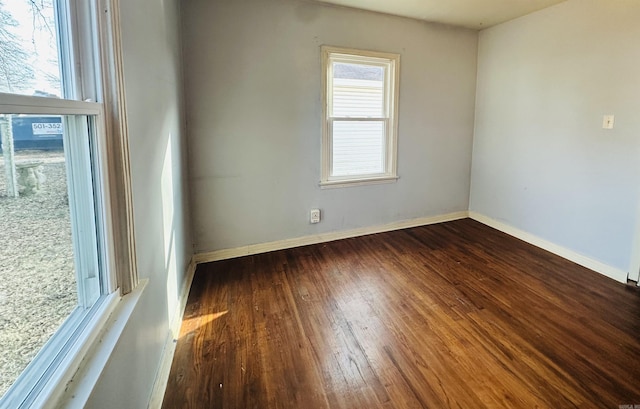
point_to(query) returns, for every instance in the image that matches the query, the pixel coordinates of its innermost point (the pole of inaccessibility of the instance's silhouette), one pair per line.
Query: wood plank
(454, 315)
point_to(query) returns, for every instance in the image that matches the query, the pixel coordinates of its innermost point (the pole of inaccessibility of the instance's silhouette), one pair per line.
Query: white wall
(252, 86)
(152, 62)
(541, 161)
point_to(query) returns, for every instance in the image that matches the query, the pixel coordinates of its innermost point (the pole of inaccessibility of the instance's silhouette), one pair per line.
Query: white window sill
(330, 184)
(74, 380)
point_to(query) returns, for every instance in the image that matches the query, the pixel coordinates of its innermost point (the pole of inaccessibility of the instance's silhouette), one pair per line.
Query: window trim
(115, 152)
(392, 89)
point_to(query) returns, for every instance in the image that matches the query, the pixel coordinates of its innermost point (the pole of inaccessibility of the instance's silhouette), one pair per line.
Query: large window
(58, 247)
(360, 108)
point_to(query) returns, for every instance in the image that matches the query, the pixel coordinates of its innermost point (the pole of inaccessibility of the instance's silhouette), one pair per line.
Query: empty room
(320, 204)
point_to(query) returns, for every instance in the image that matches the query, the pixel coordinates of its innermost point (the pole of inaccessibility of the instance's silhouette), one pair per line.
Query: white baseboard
(634, 265)
(169, 349)
(597, 266)
(323, 238)
(176, 321)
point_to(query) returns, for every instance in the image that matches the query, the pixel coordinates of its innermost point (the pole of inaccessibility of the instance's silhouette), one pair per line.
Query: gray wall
(252, 86)
(541, 160)
(151, 42)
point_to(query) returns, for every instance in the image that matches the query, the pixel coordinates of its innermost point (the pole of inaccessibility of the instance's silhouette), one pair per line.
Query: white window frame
(391, 63)
(98, 92)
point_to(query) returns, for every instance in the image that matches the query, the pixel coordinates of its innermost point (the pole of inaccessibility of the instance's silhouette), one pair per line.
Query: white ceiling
(476, 14)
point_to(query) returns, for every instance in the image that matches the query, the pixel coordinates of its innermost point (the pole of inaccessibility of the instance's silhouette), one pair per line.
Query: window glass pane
(358, 148)
(29, 58)
(358, 90)
(41, 283)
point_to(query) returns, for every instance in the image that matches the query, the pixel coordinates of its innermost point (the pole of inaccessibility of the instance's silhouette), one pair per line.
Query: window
(66, 237)
(360, 106)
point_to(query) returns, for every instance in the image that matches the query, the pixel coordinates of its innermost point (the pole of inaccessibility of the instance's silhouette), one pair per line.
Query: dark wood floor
(454, 315)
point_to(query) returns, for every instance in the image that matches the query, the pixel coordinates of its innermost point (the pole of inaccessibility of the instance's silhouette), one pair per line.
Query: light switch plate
(607, 122)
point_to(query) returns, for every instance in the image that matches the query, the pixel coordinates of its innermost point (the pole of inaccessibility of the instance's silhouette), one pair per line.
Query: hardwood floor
(455, 315)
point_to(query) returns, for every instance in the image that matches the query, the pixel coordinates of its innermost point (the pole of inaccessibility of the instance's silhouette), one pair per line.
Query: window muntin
(360, 110)
(83, 159)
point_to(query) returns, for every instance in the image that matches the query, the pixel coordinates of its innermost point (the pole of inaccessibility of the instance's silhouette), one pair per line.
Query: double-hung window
(65, 233)
(360, 109)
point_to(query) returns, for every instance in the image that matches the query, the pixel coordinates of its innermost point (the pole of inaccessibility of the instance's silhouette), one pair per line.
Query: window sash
(78, 136)
(387, 85)
(384, 148)
(86, 185)
(24, 104)
(88, 214)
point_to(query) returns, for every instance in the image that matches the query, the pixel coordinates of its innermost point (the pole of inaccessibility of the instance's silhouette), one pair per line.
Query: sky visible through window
(28, 48)
(358, 71)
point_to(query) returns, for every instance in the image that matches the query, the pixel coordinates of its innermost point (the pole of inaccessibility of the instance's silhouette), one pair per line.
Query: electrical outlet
(315, 216)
